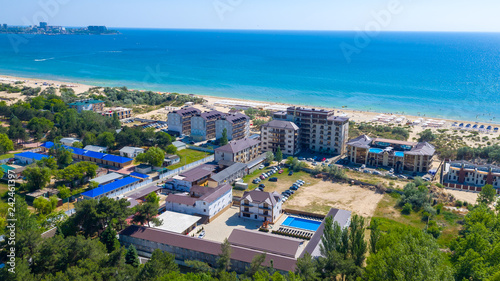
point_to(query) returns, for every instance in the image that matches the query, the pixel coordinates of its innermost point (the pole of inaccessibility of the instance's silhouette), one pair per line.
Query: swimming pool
(301, 223)
(399, 154)
(376, 150)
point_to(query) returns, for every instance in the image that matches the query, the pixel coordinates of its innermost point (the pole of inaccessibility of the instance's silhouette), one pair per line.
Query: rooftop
(206, 246)
(214, 114)
(199, 172)
(265, 242)
(280, 124)
(238, 145)
(130, 149)
(228, 172)
(110, 187)
(143, 192)
(32, 155)
(259, 197)
(107, 178)
(176, 222)
(187, 111)
(95, 148)
(362, 141)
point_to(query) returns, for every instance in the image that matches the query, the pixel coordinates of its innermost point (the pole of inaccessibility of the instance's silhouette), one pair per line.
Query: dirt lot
(470, 197)
(322, 196)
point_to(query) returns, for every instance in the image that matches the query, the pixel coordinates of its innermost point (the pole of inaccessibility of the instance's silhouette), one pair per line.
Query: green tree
(357, 240)
(131, 257)
(44, 205)
(64, 192)
(306, 267)
(374, 235)
(224, 260)
(78, 144)
(106, 139)
(427, 136)
(171, 149)
(116, 121)
(108, 238)
(89, 139)
(223, 140)
(269, 157)
(145, 213)
(487, 195)
(49, 162)
(154, 156)
(407, 253)
(6, 144)
(36, 177)
(256, 264)
(160, 264)
(278, 156)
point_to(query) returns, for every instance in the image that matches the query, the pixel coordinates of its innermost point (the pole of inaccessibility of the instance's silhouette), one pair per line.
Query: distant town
(44, 28)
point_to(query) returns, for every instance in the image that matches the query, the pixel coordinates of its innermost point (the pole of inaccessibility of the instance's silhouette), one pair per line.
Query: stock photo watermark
(10, 235)
(48, 9)
(222, 7)
(380, 20)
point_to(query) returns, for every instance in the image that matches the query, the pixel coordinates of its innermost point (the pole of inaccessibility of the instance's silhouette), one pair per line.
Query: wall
(186, 167)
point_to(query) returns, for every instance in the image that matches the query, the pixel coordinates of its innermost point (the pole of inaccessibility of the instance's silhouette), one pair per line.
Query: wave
(44, 59)
(110, 51)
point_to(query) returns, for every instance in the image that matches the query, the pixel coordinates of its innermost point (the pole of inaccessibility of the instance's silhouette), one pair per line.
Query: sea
(446, 75)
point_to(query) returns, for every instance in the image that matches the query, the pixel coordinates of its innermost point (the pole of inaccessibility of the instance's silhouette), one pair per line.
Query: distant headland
(44, 28)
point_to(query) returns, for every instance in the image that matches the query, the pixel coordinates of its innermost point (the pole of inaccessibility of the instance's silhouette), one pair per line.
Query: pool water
(376, 150)
(399, 154)
(301, 223)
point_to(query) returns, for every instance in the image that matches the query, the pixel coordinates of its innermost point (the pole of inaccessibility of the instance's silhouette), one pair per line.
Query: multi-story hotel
(400, 155)
(320, 130)
(243, 151)
(469, 176)
(259, 205)
(203, 125)
(179, 121)
(236, 124)
(282, 134)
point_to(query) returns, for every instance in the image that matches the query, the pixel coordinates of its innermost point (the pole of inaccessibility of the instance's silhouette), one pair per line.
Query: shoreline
(354, 114)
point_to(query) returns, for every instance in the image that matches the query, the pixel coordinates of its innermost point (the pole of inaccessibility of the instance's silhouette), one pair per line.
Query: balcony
(264, 207)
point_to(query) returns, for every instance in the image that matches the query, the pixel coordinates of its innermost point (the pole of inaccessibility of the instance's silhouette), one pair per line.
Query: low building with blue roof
(29, 157)
(96, 157)
(113, 189)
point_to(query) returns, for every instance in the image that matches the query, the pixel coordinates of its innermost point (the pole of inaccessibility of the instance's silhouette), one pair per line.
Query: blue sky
(386, 15)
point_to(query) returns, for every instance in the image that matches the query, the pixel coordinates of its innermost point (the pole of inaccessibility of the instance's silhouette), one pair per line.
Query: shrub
(406, 209)
(459, 203)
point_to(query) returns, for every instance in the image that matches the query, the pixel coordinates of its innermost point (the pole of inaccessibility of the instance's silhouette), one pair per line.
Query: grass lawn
(188, 156)
(391, 217)
(6, 156)
(283, 183)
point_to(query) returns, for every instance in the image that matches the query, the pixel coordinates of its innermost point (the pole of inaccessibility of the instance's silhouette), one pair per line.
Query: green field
(6, 156)
(188, 156)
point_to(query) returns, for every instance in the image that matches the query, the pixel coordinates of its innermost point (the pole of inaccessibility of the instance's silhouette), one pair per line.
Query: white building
(203, 125)
(96, 148)
(69, 141)
(261, 206)
(131, 152)
(202, 200)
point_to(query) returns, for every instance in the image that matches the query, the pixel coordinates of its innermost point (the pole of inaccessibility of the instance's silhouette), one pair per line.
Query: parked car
(366, 171)
(310, 159)
(273, 179)
(323, 159)
(262, 177)
(302, 158)
(280, 171)
(363, 166)
(290, 173)
(261, 167)
(294, 188)
(292, 191)
(262, 185)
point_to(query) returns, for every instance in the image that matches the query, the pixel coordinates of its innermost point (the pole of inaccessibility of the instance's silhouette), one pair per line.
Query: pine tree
(131, 256)
(279, 155)
(108, 238)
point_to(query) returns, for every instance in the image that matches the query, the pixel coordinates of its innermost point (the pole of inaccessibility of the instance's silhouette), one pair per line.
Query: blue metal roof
(32, 155)
(92, 154)
(139, 175)
(109, 187)
(48, 144)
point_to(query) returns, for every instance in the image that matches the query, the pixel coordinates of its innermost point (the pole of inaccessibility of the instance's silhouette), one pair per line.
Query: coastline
(353, 114)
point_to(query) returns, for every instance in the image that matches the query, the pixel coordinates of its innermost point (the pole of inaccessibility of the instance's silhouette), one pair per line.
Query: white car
(261, 167)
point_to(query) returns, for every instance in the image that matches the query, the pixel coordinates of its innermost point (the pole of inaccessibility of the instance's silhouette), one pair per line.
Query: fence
(187, 166)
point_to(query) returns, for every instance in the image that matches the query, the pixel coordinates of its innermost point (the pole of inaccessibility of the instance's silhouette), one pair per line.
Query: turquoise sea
(450, 75)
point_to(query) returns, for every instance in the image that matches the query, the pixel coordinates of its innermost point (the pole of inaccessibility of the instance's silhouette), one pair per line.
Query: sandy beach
(224, 105)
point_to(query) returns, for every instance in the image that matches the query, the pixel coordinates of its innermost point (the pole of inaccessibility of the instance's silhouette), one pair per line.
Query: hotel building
(203, 125)
(261, 206)
(282, 134)
(400, 155)
(319, 129)
(243, 151)
(237, 126)
(180, 120)
(472, 177)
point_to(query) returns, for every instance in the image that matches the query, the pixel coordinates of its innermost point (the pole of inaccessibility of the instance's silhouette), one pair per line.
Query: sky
(383, 15)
